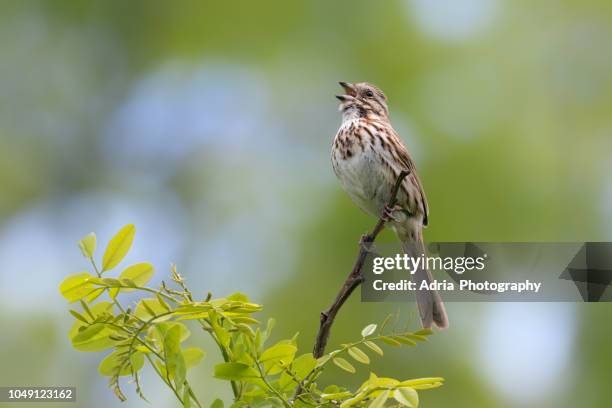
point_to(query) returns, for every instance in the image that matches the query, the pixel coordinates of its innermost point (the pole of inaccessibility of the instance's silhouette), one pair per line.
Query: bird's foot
(388, 214)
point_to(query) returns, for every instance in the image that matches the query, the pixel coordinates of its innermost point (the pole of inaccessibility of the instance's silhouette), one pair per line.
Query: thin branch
(353, 280)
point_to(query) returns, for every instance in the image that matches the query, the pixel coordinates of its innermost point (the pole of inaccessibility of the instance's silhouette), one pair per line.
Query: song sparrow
(368, 156)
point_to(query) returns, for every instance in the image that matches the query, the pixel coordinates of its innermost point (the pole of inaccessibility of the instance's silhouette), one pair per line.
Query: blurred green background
(209, 124)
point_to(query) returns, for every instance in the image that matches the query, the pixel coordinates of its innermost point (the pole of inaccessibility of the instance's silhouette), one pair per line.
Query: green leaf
(113, 292)
(390, 341)
(150, 307)
(94, 294)
(159, 331)
(175, 362)
(404, 340)
(379, 382)
(86, 309)
(269, 326)
(245, 320)
(217, 404)
(427, 386)
(235, 371)
(162, 302)
(323, 360)
(278, 356)
(336, 396)
(424, 332)
(98, 341)
(108, 366)
(415, 336)
(374, 347)
(379, 401)
(193, 308)
(343, 364)
(239, 297)
(93, 338)
(354, 401)
(359, 355)
(368, 330)
(332, 389)
(193, 356)
(301, 367)
(406, 396)
(95, 310)
(421, 381)
(118, 247)
(139, 273)
(193, 311)
(88, 245)
(280, 351)
(77, 286)
(78, 316)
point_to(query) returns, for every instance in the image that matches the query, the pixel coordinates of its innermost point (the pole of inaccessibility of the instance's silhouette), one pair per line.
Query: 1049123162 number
(15, 394)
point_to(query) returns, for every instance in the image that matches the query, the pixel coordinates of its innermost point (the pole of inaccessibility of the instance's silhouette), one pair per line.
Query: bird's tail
(428, 301)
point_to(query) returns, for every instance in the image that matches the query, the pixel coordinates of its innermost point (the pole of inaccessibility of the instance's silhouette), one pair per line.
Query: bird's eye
(369, 94)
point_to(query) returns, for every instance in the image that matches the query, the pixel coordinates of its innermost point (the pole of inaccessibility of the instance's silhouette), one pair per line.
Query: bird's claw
(387, 214)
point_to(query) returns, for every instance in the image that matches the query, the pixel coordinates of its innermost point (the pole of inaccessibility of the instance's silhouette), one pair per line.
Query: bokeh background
(208, 125)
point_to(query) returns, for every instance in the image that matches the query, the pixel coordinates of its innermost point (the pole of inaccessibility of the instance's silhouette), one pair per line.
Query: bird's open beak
(349, 90)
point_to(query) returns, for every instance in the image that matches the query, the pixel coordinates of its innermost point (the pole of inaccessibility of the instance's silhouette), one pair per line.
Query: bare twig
(353, 280)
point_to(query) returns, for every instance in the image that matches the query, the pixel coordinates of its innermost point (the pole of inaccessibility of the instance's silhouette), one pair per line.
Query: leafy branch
(152, 330)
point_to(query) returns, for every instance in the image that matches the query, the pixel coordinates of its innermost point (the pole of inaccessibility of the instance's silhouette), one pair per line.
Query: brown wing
(407, 161)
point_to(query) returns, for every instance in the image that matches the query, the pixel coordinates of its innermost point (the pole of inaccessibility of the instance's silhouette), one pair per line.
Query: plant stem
(274, 390)
(115, 301)
(224, 354)
(164, 379)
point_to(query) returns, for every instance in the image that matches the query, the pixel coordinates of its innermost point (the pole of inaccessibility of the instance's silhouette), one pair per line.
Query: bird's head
(362, 100)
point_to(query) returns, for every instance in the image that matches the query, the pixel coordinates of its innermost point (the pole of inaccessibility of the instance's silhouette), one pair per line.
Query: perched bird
(368, 156)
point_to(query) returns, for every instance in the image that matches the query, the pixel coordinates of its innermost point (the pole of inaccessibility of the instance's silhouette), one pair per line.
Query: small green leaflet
(192, 356)
(77, 286)
(175, 362)
(118, 247)
(88, 245)
(93, 338)
(139, 273)
(379, 401)
(343, 364)
(359, 355)
(404, 340)
(368, 330)
(390, 341)
(109, 365)
(280, 351)
(336, 396)
(235, 371)
(374, 347)
(406, 396)
(217, 404)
